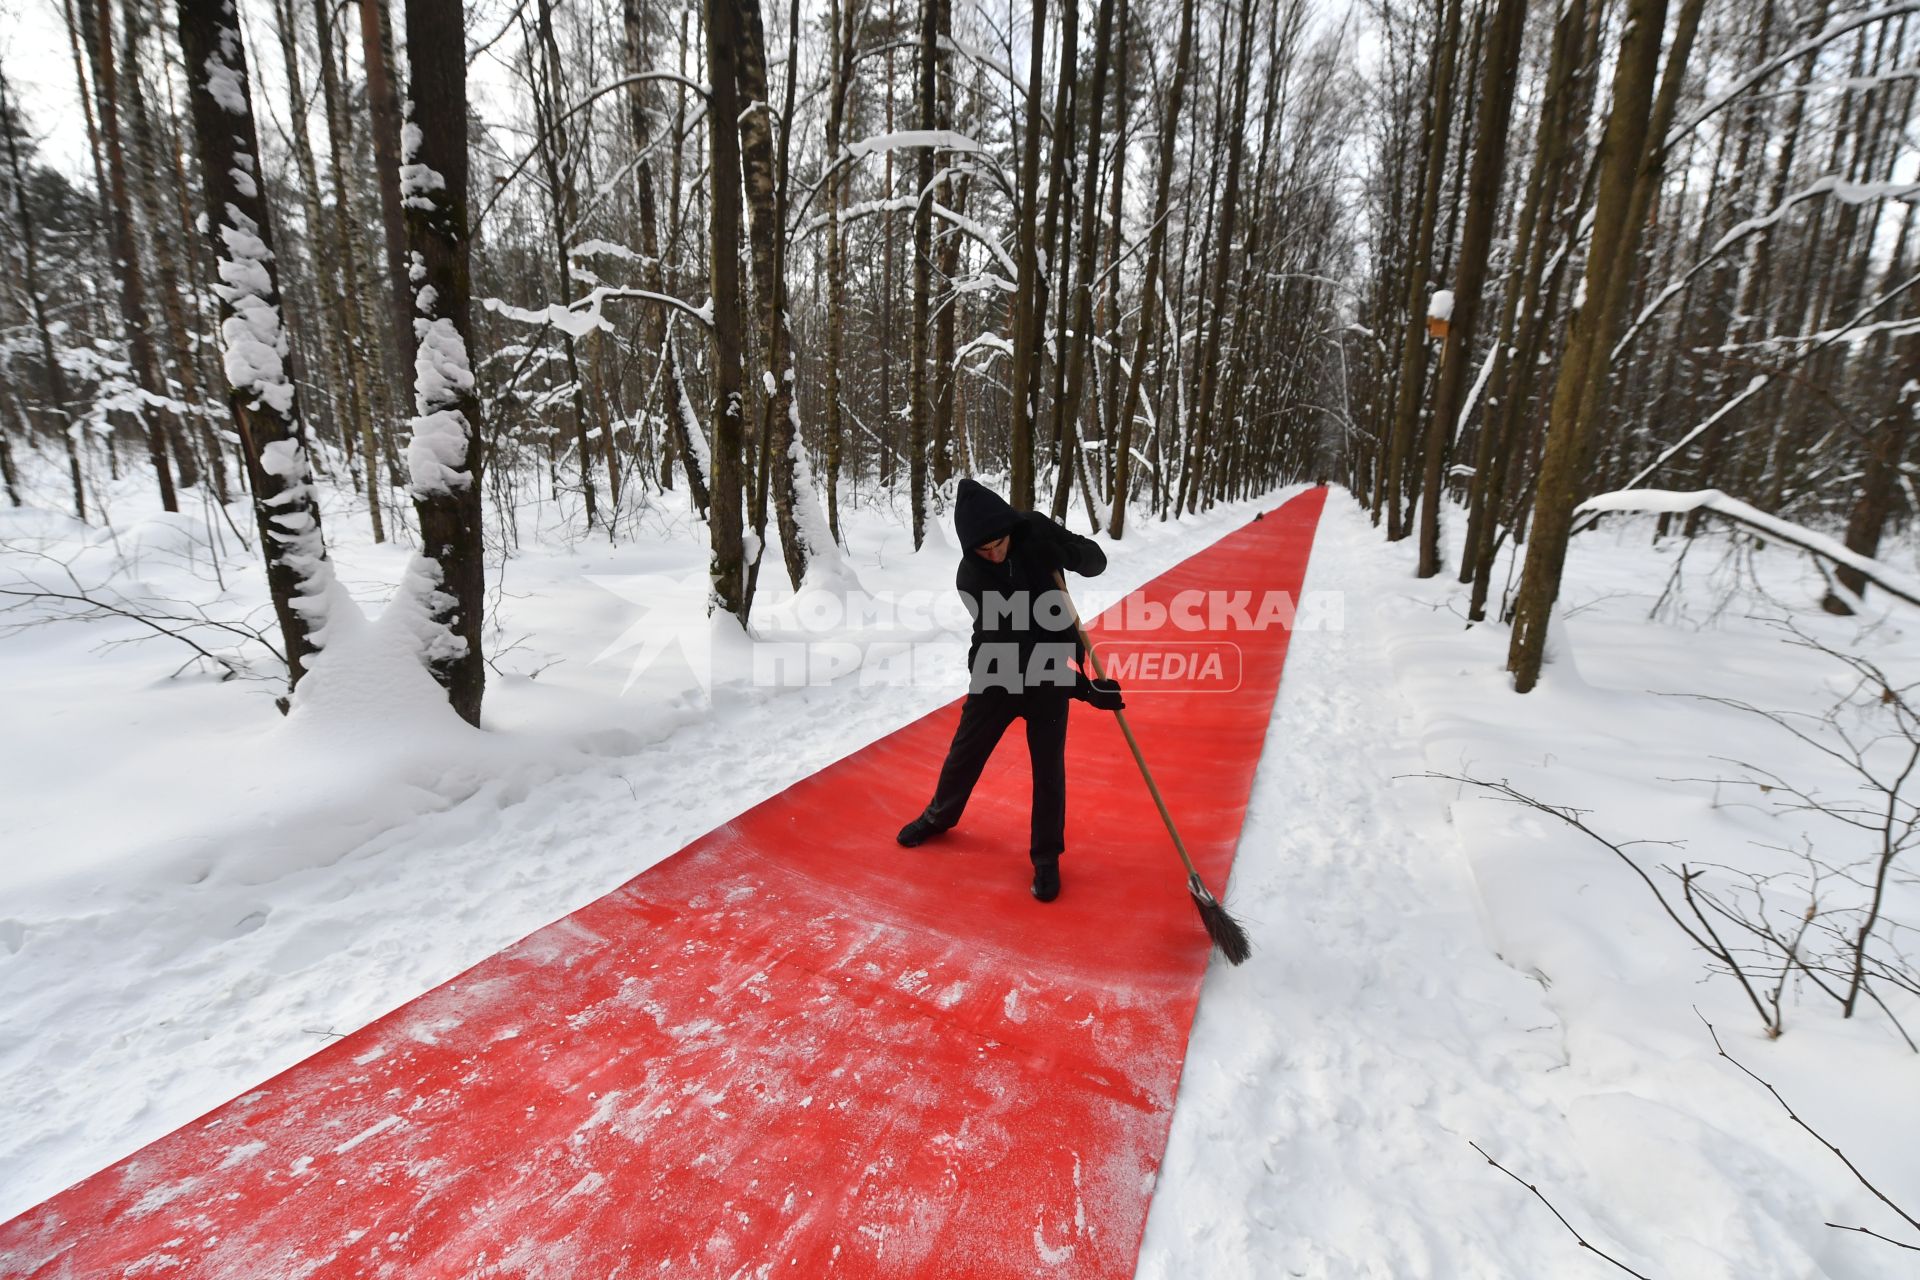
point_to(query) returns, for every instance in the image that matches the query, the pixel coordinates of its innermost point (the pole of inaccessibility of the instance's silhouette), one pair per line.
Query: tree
(261, 391)
(1026, 301)
(1484, 187)
(98, 17)
(445, 455)
(1629, 161)
(1413, 350)
(1191, 473)
(675, 409)
(1076, 342)
(802, 532)
(11, 127)
(728, 565)
(1150, 282)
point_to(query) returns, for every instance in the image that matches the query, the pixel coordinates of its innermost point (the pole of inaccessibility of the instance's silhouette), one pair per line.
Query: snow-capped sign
(1440, 313)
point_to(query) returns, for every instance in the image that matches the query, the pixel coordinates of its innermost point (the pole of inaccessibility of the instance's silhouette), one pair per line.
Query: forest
(458, 260)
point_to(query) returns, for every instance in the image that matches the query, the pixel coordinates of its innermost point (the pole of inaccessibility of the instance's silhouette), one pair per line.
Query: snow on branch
(912, 139)
(607, 248)
(1839, 188)
(1832, 31)
(577, 319)
(1675, 502)
(1761, 380)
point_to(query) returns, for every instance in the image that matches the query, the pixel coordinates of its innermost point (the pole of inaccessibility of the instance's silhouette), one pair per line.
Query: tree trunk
(1150, 282)
(728, 565)
(1197, 446)
(845, 17)
(1485, 185)
(928, 67)
(1052, 282)
(793, 498)
(98, 17)
(383, 110)
(1026, 313)
(1629, 162)
(445, 456)
(1870, 509)
(675, 409)
(1413, 361)
(261, 394)
(145, 175)
(954, 188)
(1493, 448)
(1076, 344)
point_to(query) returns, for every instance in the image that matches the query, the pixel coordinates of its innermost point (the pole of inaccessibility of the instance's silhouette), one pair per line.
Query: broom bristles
(1227, 933)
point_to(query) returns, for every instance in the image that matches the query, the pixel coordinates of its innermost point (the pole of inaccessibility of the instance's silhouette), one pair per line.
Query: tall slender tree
(445, 457)
(728, 568)
(261, 390)
(97, 15)
(1502, 62)
(1143, 340)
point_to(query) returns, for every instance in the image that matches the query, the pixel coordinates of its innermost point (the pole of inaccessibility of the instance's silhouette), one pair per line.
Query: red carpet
(792, 1049)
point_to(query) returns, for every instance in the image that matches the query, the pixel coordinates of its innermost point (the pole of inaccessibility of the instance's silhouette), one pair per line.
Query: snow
(694, 438)
(253, 344)
(417, 181)
(225, 81)
(907, 139)
(1475, 392)
(442, 380)
(607, 248)
(1440, 306)
(1432, 967)
(577, 319)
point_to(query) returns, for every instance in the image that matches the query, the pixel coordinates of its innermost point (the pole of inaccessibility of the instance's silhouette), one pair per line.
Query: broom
(1227, 933)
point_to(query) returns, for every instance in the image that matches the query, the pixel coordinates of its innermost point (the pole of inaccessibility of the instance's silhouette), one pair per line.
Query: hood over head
(980, 515)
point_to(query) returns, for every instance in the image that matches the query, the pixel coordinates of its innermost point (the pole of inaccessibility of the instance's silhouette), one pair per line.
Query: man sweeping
(1020, 663)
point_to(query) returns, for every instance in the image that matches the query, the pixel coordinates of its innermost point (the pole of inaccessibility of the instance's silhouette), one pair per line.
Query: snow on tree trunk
(443, 456)
(253, 340)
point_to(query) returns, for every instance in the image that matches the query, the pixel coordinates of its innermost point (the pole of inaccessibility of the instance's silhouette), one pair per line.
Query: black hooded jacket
(1016, 634)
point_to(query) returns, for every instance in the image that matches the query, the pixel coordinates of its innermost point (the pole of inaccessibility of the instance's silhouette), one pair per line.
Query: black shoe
(916, 831)
(1046, 879)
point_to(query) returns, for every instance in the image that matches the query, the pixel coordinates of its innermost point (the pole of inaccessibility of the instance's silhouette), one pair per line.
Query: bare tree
(260, 390)
(445, 456)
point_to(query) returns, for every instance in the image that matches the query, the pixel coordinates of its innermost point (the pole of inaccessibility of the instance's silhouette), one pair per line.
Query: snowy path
(1333, 1084)
(1334, 1081)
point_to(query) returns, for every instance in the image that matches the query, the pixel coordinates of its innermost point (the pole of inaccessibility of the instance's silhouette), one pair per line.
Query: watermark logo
(1161, 666)
(1192, 641)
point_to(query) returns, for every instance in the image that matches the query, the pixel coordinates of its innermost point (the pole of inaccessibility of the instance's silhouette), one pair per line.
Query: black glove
(1103, 694)
(1043, 536)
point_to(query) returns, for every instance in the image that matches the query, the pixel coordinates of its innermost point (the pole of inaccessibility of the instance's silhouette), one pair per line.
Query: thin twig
(1859, 1177)
(1579, 1239)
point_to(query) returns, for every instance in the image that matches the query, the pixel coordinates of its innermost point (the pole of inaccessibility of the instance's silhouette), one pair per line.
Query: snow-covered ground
(195, 892)
(1436, 967)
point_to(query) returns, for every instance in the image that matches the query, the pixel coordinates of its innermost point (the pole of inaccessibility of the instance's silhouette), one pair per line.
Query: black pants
(983, 718)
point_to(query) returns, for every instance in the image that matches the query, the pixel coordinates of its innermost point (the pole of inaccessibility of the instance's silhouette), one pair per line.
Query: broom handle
(1100, 669)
